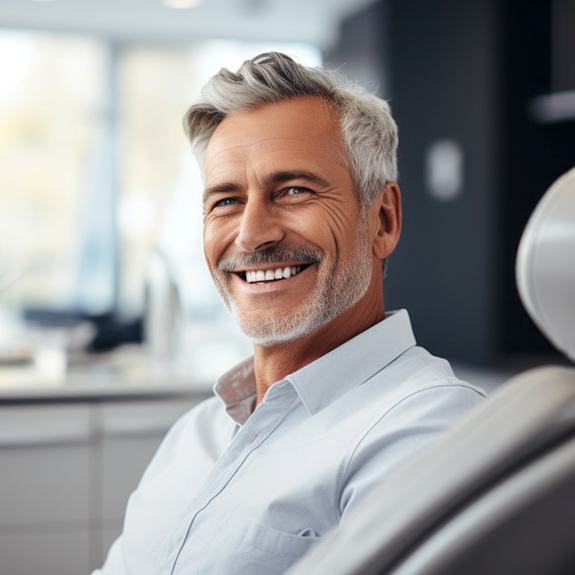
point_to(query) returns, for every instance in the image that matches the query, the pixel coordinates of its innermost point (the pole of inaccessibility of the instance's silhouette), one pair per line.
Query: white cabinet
(46, 465)
(43, 551)
(66, 472)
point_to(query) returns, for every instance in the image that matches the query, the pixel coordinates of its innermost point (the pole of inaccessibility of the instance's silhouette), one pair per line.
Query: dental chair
(496, 494)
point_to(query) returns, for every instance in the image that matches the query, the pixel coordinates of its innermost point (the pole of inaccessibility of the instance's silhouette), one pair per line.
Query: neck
(275, 362)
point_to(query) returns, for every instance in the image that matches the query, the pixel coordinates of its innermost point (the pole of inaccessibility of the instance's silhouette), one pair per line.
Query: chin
(275, 331)
(276, 334)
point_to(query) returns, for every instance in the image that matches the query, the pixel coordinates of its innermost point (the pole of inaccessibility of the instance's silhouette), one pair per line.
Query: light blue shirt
(238, 491)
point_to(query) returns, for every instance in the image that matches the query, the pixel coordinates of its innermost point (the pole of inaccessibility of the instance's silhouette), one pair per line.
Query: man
(301, 207)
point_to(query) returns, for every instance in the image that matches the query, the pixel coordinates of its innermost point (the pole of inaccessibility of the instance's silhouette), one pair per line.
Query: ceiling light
(181, 4)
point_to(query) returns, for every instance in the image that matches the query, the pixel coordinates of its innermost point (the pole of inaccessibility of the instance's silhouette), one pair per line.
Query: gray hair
(368, 130)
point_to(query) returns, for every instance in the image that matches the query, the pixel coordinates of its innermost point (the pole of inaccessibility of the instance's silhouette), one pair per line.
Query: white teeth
(269, 275)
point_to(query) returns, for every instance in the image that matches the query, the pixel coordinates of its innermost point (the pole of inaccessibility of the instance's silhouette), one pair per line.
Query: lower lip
(273, 286)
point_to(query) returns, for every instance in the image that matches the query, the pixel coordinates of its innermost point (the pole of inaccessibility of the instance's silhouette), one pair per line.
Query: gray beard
(337, 291)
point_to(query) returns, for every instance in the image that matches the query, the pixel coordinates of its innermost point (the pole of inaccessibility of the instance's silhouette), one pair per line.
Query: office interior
(110, 328)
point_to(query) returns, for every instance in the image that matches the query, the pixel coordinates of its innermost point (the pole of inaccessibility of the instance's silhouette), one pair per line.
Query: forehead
(299, 133)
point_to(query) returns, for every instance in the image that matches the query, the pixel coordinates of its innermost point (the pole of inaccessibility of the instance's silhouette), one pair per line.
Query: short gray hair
(367, 128)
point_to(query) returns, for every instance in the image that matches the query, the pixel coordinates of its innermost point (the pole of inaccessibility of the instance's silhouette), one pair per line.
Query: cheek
(336, 229)
(311, 227)
(214, 242)
(332, 229)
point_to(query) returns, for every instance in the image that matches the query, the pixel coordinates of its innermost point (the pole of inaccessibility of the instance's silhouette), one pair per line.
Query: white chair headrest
(545, 266)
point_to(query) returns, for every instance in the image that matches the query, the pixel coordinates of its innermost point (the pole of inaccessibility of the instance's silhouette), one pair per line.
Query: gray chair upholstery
(496, 494)
(545, 268)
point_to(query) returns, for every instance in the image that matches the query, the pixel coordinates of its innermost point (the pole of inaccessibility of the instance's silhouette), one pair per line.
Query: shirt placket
(257, 429)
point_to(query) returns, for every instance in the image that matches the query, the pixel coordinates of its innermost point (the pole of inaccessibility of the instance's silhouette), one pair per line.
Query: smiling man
(301, 211)
(280, 201)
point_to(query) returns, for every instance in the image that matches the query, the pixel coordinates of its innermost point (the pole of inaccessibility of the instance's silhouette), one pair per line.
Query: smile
(272, 275)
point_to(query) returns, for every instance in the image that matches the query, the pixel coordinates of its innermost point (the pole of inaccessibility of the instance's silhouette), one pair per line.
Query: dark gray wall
(444, 87)
(467, 72)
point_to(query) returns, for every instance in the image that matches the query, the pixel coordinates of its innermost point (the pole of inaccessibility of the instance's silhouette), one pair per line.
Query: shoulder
(418, 373)
(415, 377)
(410, 402)
(403, 409)
(420, 387)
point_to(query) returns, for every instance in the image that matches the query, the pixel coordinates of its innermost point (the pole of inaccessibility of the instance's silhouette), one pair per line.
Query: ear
(385, 212)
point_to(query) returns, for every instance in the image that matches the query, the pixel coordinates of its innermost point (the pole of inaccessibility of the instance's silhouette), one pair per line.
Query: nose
(259, 227)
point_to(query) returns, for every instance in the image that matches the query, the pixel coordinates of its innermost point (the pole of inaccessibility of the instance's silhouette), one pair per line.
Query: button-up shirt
(239, 490)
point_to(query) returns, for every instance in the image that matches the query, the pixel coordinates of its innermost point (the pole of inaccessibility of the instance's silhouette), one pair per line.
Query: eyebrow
(276, 178)
(288, 175)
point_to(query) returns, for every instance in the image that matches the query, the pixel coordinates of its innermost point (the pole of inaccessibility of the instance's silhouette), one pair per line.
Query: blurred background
(109, 324)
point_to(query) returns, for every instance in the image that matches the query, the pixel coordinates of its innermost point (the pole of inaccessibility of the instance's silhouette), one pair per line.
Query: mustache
(270, 255)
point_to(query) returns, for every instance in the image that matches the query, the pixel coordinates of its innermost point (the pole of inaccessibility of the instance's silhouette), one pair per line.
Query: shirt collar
(352, 363)
(237, 390)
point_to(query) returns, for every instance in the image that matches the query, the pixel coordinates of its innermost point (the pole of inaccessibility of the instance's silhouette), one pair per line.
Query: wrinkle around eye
(338, 212)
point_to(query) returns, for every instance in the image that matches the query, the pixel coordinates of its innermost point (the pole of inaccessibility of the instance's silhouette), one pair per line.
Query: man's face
(284, 236)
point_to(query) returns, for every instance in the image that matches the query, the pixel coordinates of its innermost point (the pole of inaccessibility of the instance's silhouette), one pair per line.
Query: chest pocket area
(246, 547)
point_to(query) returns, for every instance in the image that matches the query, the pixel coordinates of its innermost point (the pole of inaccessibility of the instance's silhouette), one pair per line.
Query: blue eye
(225, 202)
(296, 191)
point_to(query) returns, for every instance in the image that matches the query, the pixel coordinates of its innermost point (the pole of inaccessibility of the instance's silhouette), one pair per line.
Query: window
(54, 203)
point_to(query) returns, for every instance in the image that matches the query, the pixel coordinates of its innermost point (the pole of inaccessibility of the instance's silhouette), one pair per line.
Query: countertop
(116, 376)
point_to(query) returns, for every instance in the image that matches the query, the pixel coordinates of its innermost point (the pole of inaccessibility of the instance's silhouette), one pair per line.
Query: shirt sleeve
(398, 434)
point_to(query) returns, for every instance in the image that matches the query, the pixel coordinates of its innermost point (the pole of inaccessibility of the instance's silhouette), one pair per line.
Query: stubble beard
(338, 288)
